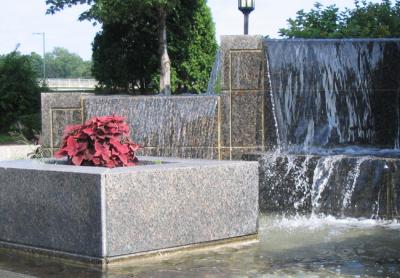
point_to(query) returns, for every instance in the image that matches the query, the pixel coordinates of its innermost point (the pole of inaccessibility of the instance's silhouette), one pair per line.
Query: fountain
(321, 117)
(336, 118)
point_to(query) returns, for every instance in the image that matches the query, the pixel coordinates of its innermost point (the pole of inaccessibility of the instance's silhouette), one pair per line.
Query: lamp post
(246, 7)
(43, 34)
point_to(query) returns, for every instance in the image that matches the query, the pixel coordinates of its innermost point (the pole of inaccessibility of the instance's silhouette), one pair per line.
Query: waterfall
(215, 74)
(181, 126)
(335, 92)
(339, 185)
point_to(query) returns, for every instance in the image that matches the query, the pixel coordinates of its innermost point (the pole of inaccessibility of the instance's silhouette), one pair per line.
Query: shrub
(27, 125)
(19, 89)
(101, 141)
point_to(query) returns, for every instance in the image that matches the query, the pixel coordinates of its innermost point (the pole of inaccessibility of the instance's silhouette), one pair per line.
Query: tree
(194, 51)
(111, 11)
(19, 89)
(317, 23)
(37, 64)
(125, 55)
(118, 50)
(60, 63)
(379, 20)
(365, 20)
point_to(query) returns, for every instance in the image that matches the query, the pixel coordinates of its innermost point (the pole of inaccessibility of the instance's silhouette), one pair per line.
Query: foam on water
(315, 222)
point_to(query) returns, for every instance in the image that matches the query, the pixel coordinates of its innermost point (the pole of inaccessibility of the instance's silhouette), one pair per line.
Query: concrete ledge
(11, 152)
(104, 214)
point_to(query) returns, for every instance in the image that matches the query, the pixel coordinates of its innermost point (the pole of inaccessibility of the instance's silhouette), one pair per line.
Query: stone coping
(156, 163)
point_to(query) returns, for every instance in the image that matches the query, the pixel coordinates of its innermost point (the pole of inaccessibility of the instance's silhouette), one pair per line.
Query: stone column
(243, 96)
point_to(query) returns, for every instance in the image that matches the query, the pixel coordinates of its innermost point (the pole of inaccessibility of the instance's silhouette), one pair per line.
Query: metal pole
(246, 23)
(44, 54)
(44, 58)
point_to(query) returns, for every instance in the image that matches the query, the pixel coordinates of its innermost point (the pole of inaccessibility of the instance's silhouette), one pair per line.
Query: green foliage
(366, 20)
(193, 69)
(123, 59)
(19, 90)
(126, 51)
(60, 63)
(379, 20)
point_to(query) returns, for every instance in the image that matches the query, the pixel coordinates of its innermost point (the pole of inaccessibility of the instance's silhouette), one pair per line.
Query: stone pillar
(243, 96)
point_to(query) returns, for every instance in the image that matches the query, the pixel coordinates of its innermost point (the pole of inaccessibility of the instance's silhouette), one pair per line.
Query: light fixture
(246, 7)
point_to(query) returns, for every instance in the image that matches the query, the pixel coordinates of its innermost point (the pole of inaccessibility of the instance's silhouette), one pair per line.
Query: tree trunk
(165, 67)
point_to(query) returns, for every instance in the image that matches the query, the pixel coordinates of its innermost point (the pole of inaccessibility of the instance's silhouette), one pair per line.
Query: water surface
(302, 246)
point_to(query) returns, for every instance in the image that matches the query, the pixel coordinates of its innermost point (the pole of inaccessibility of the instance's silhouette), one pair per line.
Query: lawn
(6, 139)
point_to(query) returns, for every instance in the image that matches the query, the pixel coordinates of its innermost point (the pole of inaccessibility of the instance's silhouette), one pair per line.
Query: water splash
(322, 176)
(337, 185)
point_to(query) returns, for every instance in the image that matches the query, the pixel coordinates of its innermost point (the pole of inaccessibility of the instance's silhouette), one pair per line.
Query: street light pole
(43, 34)
(246, 7)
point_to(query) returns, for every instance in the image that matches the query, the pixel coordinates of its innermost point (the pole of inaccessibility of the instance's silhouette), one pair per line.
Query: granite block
(48, 209)
(247, 119)
(100, 214)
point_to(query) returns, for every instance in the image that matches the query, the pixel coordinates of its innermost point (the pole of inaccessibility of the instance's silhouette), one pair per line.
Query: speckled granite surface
(102, 213)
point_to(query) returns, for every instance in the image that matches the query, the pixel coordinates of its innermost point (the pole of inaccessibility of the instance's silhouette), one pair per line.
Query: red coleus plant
(101, 141)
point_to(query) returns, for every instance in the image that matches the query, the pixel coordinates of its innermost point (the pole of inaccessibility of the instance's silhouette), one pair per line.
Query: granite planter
(102, 215)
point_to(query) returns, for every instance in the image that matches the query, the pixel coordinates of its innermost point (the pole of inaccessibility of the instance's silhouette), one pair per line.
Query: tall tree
(111, 11)
(118, 50)
(365, 20)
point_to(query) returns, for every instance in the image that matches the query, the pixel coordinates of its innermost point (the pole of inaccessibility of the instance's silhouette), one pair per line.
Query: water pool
(297, 246)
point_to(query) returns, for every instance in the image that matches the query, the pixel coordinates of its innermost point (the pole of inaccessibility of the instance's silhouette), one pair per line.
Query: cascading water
(215, 74)
(336, 111)
(335, 92)
(180, 126)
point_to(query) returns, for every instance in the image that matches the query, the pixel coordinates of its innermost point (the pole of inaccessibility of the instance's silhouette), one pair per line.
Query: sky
(19, 19)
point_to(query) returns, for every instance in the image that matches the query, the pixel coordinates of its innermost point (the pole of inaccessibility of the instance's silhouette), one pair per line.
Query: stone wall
(223, 126)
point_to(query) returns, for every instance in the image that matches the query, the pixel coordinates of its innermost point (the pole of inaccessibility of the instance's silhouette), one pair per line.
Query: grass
(6, 139)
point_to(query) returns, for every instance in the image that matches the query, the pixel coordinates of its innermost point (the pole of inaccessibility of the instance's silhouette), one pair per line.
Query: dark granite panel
(229, 43)
(247, 119)
(51, 210)
(247, 70)
(62, 118)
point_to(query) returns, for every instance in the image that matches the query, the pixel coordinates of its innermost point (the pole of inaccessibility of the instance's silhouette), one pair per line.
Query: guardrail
(67, 84)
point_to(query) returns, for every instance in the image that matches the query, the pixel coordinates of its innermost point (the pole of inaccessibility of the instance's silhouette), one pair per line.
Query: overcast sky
(19, 19)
